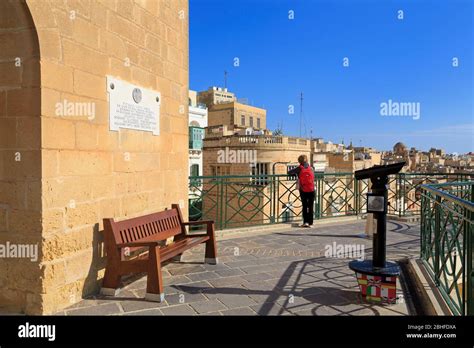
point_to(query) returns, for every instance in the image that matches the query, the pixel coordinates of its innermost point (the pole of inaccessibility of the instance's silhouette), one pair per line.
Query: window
(220, 170)
(290, 167)
(194, 174)
(258, 123)
(260, 171)
(242, 120)
(194, 170)
(196, 136)
(251, 121)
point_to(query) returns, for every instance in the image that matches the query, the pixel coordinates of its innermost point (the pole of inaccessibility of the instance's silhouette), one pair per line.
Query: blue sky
(407, 60)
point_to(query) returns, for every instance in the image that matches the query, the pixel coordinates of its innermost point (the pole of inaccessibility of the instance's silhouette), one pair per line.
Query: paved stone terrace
(280, 272)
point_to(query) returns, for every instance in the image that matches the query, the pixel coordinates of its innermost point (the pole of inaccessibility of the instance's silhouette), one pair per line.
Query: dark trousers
(307, 198)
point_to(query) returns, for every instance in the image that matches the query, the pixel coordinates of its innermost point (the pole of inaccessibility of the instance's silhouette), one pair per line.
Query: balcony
(442, 202)
(276, 268)
(259, 141)
(196, 135)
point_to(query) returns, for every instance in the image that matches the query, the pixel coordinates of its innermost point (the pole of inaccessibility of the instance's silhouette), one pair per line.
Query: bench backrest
(156, 226)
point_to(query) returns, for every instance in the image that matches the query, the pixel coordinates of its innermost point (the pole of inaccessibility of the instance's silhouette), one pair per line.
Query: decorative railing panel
(447, 241)
(244, 200)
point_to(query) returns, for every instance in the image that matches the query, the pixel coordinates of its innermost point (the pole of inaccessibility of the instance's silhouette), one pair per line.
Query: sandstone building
(237, 143)
(61, 174)
(215, 95)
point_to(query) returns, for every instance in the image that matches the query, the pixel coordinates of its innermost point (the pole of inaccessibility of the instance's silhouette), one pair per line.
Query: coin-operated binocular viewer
(377, 278)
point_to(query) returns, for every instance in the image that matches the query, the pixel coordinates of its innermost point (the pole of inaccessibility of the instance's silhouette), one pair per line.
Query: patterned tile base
(378, 288)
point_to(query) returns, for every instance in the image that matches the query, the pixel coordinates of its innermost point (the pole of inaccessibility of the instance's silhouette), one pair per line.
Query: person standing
(306, 187)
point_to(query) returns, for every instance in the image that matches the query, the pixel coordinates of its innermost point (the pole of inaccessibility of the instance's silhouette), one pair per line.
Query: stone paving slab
(284, 272)
(183, 309)
(208, 306)
(239, 311)
(147, 312)
(138, 305)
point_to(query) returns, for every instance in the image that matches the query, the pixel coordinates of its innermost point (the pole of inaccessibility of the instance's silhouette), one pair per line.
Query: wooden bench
(146, 233)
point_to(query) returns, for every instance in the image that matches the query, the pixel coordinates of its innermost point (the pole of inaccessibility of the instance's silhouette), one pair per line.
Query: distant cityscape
(219, 120)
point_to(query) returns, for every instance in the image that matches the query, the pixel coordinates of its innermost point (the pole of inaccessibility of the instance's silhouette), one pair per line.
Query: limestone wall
(20, 155)
(88, 172)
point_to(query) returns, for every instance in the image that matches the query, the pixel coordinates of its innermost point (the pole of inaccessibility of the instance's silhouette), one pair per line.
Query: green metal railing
(244, 200)
(447, 242)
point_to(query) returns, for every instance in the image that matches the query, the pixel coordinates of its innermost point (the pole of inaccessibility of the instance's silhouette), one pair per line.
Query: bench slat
(179, 247)
(164, 224)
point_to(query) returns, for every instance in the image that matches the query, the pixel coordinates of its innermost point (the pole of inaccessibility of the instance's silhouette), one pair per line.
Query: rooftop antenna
(225, 79)
(301, 111)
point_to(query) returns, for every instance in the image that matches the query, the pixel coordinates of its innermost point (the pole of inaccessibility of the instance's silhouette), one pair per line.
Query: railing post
(422, 224)
(322, 187)
(400, 195)
(356, 194)
(437, 207)
(220, 204)
(272, 200)
(317, 197)
(469, 251)
(277, 198)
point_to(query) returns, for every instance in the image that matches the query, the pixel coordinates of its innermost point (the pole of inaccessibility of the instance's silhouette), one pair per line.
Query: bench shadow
(92, 281)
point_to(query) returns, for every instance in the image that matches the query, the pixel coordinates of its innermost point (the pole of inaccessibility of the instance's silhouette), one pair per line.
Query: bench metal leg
(154, 285)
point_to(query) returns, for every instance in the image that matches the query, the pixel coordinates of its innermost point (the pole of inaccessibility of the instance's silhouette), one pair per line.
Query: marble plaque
(133, 107)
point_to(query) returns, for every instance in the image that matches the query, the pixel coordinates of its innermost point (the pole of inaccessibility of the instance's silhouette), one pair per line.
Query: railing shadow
(305, 285)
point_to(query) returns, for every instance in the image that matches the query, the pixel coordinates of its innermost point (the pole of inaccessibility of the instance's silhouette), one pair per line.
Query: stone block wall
(84, 171)
(20, 156)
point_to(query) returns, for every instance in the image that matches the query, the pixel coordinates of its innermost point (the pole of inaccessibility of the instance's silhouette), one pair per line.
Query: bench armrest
(194, 223)
(138, 244)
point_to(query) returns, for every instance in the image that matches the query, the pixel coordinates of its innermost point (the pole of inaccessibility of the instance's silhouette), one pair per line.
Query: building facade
(197, 126)
(215, 95)
(238, 115)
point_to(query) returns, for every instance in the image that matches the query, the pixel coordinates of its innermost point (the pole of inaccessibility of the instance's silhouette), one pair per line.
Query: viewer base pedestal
(377, 284)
